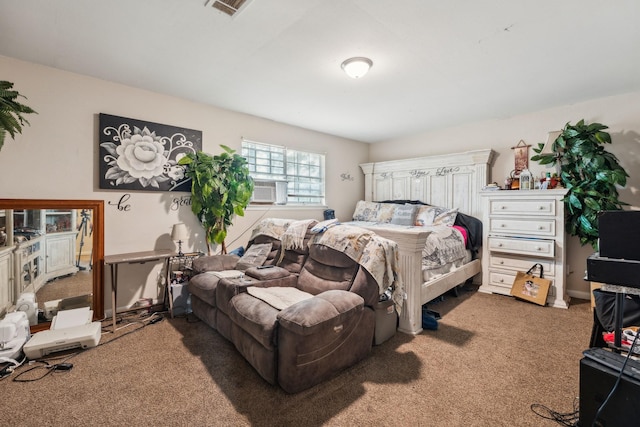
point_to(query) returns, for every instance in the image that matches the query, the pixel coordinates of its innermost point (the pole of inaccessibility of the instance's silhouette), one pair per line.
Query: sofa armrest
(328, 310)
(267, 272)
(228, 288)
(215, 263)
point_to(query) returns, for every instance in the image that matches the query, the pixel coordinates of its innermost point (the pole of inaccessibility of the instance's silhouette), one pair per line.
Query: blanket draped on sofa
(377, 255)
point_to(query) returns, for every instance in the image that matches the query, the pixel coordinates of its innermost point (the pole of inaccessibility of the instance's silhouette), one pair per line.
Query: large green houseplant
(11, 111)
(220, 189)
(590, 174)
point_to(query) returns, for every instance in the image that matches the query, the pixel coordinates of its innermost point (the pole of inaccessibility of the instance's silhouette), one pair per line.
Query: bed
(450, 181)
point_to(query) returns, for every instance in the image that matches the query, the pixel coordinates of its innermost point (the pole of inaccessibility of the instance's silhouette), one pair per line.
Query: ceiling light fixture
(356, 67)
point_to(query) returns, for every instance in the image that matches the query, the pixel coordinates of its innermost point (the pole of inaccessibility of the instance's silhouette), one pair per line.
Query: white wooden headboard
(449, 180)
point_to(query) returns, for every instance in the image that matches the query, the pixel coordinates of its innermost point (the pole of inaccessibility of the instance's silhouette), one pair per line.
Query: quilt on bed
(445, 245)
(454, 237)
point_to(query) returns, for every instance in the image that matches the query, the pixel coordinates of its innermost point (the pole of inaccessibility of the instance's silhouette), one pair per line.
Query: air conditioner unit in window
(269, 191)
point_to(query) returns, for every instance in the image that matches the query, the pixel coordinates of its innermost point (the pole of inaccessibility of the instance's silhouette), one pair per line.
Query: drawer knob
(501, 280)
(499, 245)
(538, 248)
(503, 225)
(501, 262)
(540, 227)
(503, 207)
(541, 208)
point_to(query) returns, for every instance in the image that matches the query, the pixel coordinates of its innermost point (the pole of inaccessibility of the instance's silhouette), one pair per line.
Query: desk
(131, 258)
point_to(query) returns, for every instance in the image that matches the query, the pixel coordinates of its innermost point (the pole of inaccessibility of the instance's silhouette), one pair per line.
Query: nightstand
(178, 275)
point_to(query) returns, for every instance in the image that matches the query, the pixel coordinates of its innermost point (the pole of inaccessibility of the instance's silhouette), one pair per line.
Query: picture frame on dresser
(522, 228)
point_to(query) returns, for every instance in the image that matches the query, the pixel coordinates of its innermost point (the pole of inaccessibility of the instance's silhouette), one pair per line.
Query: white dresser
(522, 228)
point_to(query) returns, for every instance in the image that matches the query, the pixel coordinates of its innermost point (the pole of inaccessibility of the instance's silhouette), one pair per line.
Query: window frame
(282, 172)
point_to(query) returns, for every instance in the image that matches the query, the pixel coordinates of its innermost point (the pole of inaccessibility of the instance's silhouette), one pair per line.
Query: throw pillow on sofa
(255, 256)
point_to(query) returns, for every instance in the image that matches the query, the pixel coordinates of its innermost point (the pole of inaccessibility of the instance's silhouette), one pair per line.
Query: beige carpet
(490, 359)
(80, 283)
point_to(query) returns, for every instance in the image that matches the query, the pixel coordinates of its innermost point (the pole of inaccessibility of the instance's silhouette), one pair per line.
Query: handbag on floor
(528, 287)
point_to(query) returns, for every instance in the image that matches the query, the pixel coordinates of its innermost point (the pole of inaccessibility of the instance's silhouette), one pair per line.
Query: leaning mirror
(51, 257)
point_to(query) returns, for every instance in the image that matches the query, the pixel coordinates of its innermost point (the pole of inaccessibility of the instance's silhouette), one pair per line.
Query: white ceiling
(436, 63)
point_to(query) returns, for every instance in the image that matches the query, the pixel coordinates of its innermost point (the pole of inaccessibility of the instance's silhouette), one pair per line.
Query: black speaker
(619, 234)
(597, 378)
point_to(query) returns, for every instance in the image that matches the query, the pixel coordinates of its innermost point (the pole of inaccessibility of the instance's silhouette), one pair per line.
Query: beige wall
(620, 113)
(57, 157)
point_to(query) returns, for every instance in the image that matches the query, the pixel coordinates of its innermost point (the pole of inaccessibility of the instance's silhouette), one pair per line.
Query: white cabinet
(522, 228)
(6, 279)
(29, 264)
(59, 228)
(60, 254)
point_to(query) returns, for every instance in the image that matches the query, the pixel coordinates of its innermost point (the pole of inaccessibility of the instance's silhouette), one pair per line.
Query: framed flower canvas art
(141, 155)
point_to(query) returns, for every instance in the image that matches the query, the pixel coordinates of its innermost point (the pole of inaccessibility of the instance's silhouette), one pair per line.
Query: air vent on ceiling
(230, 7)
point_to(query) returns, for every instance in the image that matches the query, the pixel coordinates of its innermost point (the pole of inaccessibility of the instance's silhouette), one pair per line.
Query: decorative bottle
(526, 180)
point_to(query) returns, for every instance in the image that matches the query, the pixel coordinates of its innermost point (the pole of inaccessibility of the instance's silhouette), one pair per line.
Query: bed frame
(451, 180)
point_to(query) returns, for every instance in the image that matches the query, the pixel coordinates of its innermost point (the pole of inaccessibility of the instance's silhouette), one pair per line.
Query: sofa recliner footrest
(328, 310)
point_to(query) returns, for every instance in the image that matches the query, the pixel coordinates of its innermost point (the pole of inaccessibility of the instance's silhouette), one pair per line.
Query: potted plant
(590, 174)
(11, 111)
(220, 189)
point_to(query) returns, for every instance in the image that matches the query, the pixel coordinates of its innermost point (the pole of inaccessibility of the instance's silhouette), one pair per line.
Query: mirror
(51, 251)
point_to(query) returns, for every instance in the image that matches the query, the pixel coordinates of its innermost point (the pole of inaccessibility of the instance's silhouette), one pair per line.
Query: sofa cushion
(255, 317)
(269, 273)
(326, 269)
(255, 256)
(279, 297)
(203, 286)
(214, 263)
(327, 311)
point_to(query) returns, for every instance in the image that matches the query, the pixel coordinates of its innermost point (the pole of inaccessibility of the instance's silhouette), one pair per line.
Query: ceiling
(435, 63)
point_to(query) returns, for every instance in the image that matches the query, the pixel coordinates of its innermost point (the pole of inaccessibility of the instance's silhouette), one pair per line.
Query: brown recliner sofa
(270, 231)
(298, 329)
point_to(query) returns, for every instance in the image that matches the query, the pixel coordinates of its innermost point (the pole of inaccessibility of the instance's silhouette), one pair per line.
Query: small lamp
(356, 67)
(179, 234)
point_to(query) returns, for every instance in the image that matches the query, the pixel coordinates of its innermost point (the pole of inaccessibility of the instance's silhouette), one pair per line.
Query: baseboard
(585, 295)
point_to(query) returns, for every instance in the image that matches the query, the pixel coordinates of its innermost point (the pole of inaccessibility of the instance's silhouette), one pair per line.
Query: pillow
(366, 211)
(435, 215)
(255, 256)
(385, 212)
(404, 215)
(424, 216)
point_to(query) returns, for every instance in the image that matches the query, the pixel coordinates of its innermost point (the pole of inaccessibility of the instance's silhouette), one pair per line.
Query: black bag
(605, 309)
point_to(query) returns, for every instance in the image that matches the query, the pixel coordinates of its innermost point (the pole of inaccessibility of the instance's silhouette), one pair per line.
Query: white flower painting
(139, 155)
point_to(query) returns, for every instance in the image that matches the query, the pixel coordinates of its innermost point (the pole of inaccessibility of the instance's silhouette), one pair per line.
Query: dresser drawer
(523, 207)
(521, 264)
(538, 227)
(533, 247)
(505, 280)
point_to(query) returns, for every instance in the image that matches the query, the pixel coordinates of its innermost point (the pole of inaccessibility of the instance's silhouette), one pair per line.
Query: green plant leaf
(589, 173)
(221, 189)
(11, 112)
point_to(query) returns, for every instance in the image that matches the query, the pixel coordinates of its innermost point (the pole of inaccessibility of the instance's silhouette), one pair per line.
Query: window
(303, 171)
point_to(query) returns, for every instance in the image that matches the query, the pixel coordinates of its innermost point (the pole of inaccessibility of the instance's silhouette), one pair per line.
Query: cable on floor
(565, 419)
(63, 365)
